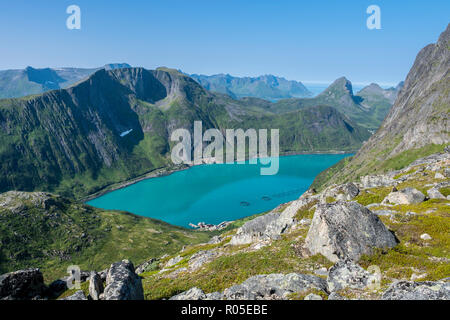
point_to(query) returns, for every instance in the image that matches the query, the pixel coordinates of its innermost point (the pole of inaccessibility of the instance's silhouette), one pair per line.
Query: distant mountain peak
(268, 86)
(339, 87)
(111, 66)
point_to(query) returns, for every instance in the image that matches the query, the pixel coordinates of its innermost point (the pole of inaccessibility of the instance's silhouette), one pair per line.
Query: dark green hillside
(50, 232)
(315, 129)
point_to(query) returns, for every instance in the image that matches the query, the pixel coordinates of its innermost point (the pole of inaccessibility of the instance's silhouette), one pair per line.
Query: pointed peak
(342, 85)
(373, 87)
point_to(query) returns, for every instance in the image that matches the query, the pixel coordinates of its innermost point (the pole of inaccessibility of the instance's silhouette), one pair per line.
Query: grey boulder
(336, 296)
(122, 283)
(271, 225)
(346, 230)
(22, 285)
(197, 294)
(340, 192)
(191, 294)
(79, 295)
(434, 193)
(426, 290)
(405, 196)
(346, 274)
(95, 286)
(274, 286)
(377, 181)
(313, 296)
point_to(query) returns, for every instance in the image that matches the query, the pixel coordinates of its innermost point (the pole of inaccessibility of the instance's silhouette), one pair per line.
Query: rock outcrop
(191, 294)
(145, 266)
(409, 290)
(22, 285)
(405, 196)
(346, 230)
(377, 181)
(345, 191)
(122, 283)
(434, 193)
(313, 296)
(346, 274)
(271, 225)
(79, 295)
(95, 286)
(274, 286)
(197, 294)
(261, 287)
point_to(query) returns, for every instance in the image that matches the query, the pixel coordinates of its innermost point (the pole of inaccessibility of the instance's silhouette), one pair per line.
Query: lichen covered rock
(426, 290)
(122, 283)
(22, 285)
(274, 286)
(405, 196)
(346, 230)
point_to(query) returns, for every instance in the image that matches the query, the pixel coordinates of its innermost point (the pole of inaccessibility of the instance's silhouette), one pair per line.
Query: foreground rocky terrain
(383, 237)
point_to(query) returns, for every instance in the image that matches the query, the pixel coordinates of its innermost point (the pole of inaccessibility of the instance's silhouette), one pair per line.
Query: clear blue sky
(317, 40)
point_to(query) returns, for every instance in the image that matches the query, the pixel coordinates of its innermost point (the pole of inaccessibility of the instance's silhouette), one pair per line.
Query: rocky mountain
(417, 125)
(367, 108)
(116, 124)
(266, 87)
(19, 83)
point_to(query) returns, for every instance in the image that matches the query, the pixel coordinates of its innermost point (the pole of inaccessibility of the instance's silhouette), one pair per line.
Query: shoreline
(165, 171)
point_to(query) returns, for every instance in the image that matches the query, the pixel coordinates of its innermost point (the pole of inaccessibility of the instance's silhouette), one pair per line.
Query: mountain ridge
(70, 140)
(16, 83)
(417, 125)
(367, 107)
(267, 87)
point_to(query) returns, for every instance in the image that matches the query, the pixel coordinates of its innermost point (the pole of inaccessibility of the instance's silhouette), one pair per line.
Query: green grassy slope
(51, 232)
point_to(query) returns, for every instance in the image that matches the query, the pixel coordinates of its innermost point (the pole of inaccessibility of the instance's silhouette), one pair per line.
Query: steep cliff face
(418, 123)
(69, 134)
(420, 115)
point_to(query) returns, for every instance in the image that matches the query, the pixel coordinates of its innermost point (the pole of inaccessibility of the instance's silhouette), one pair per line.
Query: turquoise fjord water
(218, 192)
